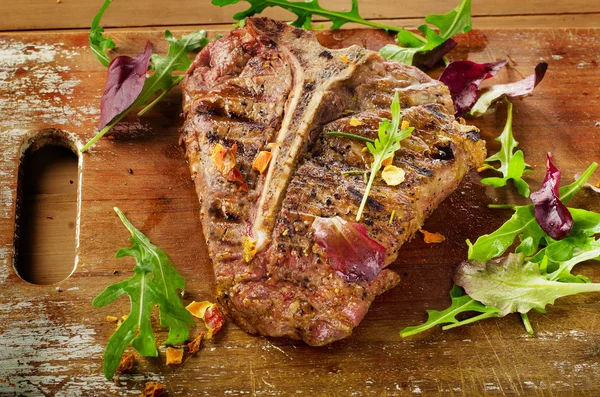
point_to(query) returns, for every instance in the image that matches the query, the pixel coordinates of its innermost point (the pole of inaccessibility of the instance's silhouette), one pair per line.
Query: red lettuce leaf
(463, 79)
(125, 80)
(552, 215)
(431, 58)
(350, 251)
(518, 89)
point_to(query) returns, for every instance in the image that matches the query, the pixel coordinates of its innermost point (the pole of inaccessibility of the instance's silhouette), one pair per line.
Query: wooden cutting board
(51, 342)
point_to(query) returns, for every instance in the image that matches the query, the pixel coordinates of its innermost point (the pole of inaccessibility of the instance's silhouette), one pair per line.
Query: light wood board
(51, 342)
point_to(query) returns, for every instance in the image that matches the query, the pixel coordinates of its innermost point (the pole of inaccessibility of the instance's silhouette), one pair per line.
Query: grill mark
(371, 202)
(473, 135)
(420, 170)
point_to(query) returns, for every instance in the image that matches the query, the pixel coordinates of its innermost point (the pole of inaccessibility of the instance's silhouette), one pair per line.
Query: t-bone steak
(270, 87)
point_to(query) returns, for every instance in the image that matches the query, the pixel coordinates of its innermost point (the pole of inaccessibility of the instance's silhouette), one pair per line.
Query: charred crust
(472, 135)
(326, 54)
(443, 152)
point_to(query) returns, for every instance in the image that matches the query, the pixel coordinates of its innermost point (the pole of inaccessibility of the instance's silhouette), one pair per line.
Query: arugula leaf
(155, 282)
(162, 79)
(512, 165)
(511, 285)
(432, 46)
(98, 43)
(562, 250)
(460, 304)
(387, 143)
(454, 22)
(523, 225)
(304, 11)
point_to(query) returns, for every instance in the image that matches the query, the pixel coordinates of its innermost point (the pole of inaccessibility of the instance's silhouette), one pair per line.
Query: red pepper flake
(262, 160)
(153, 389)
(174, 356)
(432, 238)
(214, 320)
(195, 345)
(127, 362)
(211, 315)
(236, 176)
(224, 159)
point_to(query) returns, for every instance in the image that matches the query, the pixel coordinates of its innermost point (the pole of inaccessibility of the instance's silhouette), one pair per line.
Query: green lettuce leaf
(523, 225)
(513, 285)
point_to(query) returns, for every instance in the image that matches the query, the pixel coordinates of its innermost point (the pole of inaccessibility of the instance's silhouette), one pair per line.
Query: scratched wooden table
(51, 342)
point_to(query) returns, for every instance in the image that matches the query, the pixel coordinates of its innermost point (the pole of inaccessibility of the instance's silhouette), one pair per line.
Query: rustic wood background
(69, 14)
(51, 339)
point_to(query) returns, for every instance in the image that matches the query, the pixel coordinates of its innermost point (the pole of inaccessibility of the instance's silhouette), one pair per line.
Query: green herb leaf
(304, 11)
(460, 304)
(177, 59)
(155, 282)
(349, 135)
(511, 285)
(512, 165)
(386, 144)
(162, 79)
(454, 22)
(98, 43)
(524, 225)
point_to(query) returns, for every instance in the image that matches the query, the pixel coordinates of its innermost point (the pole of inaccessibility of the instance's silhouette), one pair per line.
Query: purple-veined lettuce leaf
(124, 83)
(517, 89)
(431, 58)
(552, 215)
(463, 79)
(350, 251)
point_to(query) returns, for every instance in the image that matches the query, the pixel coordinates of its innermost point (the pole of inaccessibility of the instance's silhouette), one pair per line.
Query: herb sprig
(164, 70)
(304, 11)
(387, 143)
(155, 282)
(98, 43)
(512, 165)
(456, 21)
(460, 304)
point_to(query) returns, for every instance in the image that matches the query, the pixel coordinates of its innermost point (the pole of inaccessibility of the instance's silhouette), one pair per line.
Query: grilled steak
(272, 87)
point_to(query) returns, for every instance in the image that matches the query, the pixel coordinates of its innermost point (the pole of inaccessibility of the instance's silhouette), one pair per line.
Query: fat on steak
(272, 87)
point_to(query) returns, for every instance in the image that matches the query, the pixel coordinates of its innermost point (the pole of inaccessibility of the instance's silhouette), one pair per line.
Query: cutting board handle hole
(47, 208)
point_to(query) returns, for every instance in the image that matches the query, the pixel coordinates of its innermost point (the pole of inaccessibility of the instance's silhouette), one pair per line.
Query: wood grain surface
(51, 341)
(63, 14)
